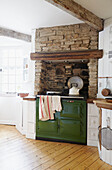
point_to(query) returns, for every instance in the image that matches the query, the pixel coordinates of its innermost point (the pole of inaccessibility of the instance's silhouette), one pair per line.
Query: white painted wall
(8, 110)
(105, 70)
(10, 105)
(105, 64)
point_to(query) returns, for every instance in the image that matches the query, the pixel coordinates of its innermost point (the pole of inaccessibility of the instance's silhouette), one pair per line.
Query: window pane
(19, 53)
(4, 62)
(12, 79)
(19, 79)
(5, 79)
(12, 53)
(19, 62)
(12, 70)
(5, 88)
(5, 53)
(12, 88)
(18, 87)
(12, 62)
(19, 70)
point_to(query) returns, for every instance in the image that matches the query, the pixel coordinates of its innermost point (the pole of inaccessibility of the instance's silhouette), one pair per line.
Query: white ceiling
(24, 15)
(101, 8)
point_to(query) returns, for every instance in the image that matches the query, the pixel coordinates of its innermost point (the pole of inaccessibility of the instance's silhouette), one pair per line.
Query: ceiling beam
(78, 11)
(68, 55)
(13, 34)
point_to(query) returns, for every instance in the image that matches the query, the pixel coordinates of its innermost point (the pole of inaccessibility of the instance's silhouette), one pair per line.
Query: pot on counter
(105, 92)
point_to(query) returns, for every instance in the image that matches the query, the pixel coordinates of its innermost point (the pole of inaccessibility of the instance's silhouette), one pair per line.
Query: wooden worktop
(103, 104)
(91, 100)
(30, 98)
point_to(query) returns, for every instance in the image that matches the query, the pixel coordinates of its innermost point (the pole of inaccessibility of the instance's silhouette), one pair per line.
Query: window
(13, 68)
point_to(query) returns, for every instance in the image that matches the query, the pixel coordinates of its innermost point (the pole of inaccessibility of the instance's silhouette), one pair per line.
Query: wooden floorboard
(19, 153)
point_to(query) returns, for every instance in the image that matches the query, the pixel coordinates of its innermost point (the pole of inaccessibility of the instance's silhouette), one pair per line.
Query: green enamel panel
(68, 125)
(50, 126)
(69, 128)
(71, 108)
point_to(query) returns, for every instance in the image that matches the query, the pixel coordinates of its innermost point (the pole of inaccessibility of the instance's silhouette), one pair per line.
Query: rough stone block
(56, 37)
(93, 47)
(45, 33)
(76, 72)
(86, 41)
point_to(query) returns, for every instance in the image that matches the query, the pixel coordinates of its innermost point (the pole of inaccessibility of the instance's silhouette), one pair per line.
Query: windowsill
(8, 94)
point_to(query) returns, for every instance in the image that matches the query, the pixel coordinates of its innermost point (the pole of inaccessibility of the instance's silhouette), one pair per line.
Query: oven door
(71, 109)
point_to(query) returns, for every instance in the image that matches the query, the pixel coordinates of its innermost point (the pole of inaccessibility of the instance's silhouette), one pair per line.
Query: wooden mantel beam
(78, 11)
(14, 34)
(71, 55)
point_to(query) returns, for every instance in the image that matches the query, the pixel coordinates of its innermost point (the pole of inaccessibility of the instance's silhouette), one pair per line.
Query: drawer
(93, 134)
(93, 122)
(93, 110)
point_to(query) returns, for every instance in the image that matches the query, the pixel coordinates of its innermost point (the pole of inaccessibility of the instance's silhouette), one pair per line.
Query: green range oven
(69, 124)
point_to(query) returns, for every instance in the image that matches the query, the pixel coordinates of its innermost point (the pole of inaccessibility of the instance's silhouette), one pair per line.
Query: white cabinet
(8, 110)
(29, 110)
(21, 117)
(92, 125)
(26, 118)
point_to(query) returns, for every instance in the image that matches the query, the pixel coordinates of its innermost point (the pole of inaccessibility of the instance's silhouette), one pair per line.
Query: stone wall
(40, 77)
(93, 78)
(54, 76)
(66, 38)
(59, 73)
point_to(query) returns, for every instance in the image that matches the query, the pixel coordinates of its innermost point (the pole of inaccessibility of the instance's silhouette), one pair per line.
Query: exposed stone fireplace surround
(54, 75)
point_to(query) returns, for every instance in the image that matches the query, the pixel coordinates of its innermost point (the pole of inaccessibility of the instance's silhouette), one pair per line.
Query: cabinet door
(47, 129)
(72, 121)
(69, 128)
(71, 109)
